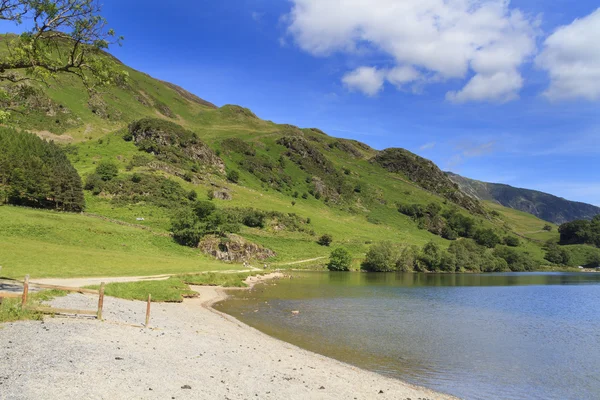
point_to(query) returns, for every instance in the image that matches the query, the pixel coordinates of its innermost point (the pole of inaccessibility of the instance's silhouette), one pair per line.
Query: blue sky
(494, 90)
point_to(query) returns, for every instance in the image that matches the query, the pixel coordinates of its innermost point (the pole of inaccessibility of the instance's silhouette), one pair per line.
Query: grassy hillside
(53, 244)
(310, 184)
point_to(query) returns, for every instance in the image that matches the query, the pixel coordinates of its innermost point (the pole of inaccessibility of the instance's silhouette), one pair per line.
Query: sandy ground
(190, 351)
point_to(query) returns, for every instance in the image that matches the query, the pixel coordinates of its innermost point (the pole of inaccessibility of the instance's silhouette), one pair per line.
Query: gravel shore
(190, 351)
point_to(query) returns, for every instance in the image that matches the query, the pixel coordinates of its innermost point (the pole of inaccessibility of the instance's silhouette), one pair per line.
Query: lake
(480, 336)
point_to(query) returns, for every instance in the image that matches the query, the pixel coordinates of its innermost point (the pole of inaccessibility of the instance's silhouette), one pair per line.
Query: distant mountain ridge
(543, 205)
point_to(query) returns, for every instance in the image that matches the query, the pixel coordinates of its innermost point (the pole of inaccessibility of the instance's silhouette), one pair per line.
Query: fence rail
(51, 310)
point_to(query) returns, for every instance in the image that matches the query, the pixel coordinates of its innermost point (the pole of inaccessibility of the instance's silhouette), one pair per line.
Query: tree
(67, 36)
(382, 257)
(37, 173)
(107, 170)
(325, 240)
(340, 260)
(430, 257)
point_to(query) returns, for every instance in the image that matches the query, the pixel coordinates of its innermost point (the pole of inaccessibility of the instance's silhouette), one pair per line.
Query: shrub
(381, 257)
(548, 227)
(487, 238)
(107, 170)
(254, 219)
(516, 261)
(430, 257)
(192, 195)
(340, 260)
(233, 176)
(512, 241)
(136, 178)
(325, 240)
(408, 259)
(203, 209)
(557, 255)
(93, 181)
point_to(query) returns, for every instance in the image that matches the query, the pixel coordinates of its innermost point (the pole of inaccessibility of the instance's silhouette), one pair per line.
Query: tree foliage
(382, 257)
(37, 173)
(325, 240)
(340, 260)
(581, 232)
(67, 36)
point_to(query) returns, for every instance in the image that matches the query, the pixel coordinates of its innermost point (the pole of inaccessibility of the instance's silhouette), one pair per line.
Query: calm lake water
(493, 336)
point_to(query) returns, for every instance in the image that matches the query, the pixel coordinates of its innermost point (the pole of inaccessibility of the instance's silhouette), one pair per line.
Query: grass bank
(176, 288)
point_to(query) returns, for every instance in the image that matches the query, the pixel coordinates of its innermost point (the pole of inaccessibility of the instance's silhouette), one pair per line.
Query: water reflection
(478, 336)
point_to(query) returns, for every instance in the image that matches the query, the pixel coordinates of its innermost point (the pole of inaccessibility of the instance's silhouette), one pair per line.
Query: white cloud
(440, 39)
(427, 146)
(365, 79)
(571, 56)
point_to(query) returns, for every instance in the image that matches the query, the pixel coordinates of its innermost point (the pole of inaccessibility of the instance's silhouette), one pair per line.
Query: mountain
(279, 187)
(543, 205)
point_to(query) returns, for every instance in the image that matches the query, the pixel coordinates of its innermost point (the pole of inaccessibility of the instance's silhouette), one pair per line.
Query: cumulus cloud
(485, 41)
(571, 55)
(365, 79)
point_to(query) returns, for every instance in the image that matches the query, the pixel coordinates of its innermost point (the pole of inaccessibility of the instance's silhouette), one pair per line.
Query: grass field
(52, 244)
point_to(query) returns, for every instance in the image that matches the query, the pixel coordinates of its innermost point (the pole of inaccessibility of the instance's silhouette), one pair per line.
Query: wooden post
(25, 291)
(100, 302)
(148, 310)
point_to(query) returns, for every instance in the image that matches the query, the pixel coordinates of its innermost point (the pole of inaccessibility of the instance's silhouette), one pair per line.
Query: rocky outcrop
(233, 248)
(427, 175)
(173, 143)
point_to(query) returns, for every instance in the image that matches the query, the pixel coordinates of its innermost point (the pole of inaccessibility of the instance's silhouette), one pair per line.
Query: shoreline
(190, 351)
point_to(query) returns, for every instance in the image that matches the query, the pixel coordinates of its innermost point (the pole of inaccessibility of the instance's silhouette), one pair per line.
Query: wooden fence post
(100, 302)
(25, 291)
(148, 310)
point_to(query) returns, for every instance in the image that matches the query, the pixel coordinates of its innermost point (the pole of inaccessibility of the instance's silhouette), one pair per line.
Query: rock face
(234, 248)
(222, 194)
(426, 175)
(543, 205)
(173, 144)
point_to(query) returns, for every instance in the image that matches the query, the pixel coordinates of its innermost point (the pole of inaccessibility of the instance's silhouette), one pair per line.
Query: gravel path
(190, 351)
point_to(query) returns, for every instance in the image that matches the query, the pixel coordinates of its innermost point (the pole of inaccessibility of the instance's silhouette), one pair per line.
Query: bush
(548, 227)
(187, 229)
(93, 181)
(107, 170)
(340, 260)
(512, 241)
(233, 176)
(136, 178)
(516, 261)
(325, 240)
(192, 195)
(557, 255)
(382, 257)
(254, 219)
(430, 257)
(487, 238)
(408, 259)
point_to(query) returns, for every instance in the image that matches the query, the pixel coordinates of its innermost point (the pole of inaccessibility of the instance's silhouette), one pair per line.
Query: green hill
(171, 148)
